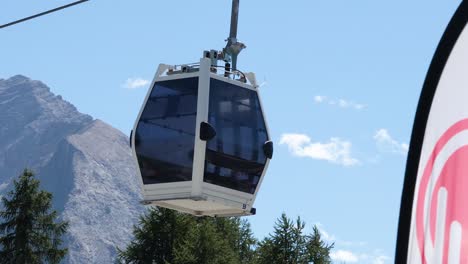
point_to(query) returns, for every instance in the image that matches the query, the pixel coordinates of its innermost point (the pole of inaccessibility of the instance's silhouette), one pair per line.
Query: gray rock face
(85, 163)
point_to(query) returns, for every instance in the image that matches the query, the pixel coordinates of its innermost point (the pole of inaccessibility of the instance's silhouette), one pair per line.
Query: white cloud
(352, 251)
(386, 143)
(360, 106)
(347, 256)
(325, 235)
(342, 103)
(134, 83)
(335, 151)
(380, 260)
(332, 238)
(341, 256)
(375, 258)
(319, 98)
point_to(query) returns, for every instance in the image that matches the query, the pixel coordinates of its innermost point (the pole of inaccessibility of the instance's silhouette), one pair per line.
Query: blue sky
(341, 84)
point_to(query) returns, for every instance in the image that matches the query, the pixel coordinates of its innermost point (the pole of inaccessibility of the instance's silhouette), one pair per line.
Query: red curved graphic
(454, 179)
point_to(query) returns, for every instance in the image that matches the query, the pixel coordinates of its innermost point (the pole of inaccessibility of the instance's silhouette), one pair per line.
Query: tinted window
(165, 136)
(235, 158)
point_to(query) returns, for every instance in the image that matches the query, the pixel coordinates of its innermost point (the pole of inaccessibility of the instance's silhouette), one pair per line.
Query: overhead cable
(42, 14)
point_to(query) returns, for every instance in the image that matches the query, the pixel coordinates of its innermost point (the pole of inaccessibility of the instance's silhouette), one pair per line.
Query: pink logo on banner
(446, 210)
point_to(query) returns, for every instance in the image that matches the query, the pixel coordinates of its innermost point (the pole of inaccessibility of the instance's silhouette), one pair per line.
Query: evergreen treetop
(29, 233)
(168, 237)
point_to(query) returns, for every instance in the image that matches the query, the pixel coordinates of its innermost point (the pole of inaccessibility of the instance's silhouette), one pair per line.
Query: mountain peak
(85, 163)
(18, 81)
(33, 121)
(18, 90)
(18, 78)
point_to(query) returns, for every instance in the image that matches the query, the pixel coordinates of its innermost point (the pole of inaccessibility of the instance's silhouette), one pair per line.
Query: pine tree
(265, 252)
(29, 231)
(289, 245)
(165, 236)
(210, 243)
(168, 237)
(154, 238)
(318, 251)
(281, 246)
(204, 240)
(245, 241)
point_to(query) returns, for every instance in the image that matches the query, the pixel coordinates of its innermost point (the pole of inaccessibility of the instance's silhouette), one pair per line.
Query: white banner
(435, 229)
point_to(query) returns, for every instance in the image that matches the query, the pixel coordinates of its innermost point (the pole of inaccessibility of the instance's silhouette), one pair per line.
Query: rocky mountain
(85, 163)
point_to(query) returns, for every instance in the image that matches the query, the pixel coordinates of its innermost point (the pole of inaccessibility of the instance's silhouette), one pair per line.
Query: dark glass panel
(165, 135)
(235, 157)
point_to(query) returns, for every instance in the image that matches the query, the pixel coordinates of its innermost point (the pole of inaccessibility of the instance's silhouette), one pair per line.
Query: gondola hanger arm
(233, 47)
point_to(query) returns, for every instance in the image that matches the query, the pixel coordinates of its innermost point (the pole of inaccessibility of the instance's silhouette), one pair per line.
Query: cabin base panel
(199, 207)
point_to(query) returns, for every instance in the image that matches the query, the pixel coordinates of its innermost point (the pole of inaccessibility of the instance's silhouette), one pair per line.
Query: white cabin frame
(196, 196)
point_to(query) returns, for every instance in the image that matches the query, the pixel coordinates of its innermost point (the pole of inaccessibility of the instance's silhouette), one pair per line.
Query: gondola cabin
(201, 141)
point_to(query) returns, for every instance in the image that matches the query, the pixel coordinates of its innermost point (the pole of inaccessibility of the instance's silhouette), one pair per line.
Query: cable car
(201, 141)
